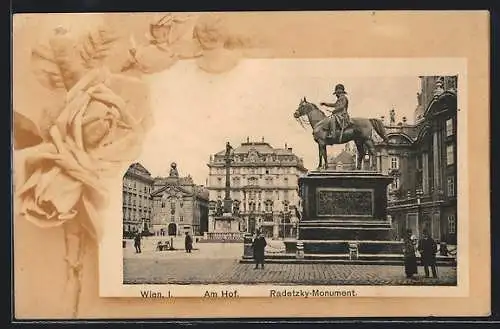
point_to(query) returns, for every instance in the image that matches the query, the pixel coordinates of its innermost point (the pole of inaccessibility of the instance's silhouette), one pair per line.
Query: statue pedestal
(226, 228)
(345, 217)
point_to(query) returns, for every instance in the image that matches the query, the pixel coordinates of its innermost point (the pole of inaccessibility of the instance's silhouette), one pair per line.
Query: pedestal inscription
(344, 202)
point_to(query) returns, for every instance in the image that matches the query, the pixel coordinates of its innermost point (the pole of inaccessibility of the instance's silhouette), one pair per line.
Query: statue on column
(229, 148)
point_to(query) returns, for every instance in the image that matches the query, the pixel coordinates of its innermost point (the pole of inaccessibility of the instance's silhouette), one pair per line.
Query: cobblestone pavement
(219, 263)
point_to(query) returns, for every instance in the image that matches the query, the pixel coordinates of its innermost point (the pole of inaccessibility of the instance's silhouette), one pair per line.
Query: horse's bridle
(301, 119)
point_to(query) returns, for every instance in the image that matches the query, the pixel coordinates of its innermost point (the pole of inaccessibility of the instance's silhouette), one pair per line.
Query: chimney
(262, 139)
(248, 139)
(286, 146)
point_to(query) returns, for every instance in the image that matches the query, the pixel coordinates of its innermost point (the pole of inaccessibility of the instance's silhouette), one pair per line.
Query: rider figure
(339, 113)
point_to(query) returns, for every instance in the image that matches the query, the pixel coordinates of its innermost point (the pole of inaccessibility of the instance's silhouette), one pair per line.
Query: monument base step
(364, 259)
(343, 246)
(344, 223)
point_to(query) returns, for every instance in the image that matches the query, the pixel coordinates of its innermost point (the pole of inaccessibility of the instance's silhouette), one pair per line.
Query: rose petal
(63, 192)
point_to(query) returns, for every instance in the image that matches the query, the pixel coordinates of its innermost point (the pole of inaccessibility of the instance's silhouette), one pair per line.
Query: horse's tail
(378, 125)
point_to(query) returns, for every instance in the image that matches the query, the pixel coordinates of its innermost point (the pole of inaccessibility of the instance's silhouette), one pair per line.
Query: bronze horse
(360, 131)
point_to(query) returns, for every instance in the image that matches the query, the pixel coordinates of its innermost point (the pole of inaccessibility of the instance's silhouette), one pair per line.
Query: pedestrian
(137, 243)
(410, 259)
(428, 249)
(188, 243)
(259, 244)
(443, 246)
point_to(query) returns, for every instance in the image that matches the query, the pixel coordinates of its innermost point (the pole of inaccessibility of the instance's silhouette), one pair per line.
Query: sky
(196, 112)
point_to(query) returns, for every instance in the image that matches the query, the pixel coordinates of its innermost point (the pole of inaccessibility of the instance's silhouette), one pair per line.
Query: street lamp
(282, 216)
(419, 193)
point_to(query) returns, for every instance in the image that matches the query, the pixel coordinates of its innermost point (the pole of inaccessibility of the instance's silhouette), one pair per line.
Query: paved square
(219, 263)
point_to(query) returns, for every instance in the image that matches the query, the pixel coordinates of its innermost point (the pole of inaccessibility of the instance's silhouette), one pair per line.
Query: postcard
(186, 158)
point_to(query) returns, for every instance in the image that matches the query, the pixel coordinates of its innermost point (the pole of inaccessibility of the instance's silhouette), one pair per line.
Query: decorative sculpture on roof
(173, 170)
(439, 88)
(392, 114)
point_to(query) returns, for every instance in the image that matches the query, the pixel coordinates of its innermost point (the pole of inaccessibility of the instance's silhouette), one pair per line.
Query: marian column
(227, 198)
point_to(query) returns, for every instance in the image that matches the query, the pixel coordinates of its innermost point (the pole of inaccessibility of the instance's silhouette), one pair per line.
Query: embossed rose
(98, 129)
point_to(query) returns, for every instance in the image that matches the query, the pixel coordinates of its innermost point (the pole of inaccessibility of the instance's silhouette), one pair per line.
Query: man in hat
(339, 113)
(428, 248)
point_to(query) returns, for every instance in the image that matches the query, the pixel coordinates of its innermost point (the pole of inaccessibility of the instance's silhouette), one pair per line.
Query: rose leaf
(25, 132)
(95, 47)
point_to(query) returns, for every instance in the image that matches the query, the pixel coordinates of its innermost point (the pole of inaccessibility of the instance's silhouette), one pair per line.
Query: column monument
(225, 215)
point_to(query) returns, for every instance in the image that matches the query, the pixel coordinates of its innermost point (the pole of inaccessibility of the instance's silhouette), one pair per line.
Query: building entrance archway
(251, 225)
(172, 229)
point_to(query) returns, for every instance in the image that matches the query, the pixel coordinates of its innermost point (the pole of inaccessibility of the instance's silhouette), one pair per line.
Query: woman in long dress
(410, 257)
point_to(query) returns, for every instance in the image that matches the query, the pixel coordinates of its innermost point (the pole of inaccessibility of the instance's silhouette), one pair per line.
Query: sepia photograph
(311, 178)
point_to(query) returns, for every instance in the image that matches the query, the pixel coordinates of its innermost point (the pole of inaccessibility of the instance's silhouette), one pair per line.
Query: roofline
(411, 140)
(438, 99)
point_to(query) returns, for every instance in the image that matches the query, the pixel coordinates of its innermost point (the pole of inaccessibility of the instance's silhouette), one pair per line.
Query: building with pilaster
(137, 184)
(422, 158)
(263, 184)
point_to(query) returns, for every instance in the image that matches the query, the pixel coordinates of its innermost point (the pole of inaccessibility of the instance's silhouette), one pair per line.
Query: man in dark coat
(258, 245)
(409, 255)
(428, 248)
(188, 243)
(137, 243)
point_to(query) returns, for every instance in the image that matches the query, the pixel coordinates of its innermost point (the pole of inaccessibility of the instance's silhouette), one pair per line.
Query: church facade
(263, 185)
(178, 205)
(422, 159)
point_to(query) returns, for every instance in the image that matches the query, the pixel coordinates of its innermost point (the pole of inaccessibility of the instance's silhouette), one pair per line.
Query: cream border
(39, 275)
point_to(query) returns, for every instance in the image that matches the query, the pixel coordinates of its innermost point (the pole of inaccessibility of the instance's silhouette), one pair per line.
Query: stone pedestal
(226, 228)
(345, 217)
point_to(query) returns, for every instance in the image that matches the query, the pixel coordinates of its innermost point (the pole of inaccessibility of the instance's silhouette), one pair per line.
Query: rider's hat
(340, 89)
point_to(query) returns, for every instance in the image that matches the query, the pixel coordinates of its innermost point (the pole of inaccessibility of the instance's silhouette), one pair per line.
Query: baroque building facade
(136, 191)
(178, 205)
(263, 186)
(422, 158)
(163, 206)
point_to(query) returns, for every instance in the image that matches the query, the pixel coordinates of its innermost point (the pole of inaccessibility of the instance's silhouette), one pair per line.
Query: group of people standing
(427, 248)
(188, 242)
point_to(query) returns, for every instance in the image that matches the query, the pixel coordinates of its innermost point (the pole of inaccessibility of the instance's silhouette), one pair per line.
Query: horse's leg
(319, 156)
(371, 149)
(361, 153)
(325, 156)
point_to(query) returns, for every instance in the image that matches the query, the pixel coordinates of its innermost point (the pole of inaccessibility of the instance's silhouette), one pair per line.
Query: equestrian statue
(339, 127)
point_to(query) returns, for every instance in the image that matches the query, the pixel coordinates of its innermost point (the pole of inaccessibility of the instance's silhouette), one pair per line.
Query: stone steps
(363, 259)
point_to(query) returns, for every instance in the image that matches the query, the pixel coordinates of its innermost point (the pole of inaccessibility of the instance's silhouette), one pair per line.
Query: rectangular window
(449, 127)
(451, 186)
(394, 163)
(452, 224)
(181, 218)
(450, 155)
